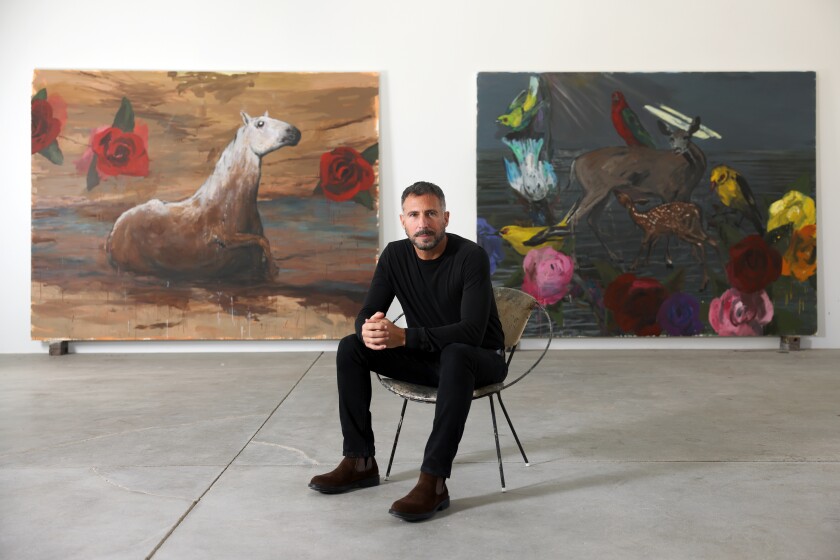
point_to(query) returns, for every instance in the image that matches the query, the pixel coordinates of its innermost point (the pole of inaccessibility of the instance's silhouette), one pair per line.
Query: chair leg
(396, 439)
(498, 449)
(516, 437)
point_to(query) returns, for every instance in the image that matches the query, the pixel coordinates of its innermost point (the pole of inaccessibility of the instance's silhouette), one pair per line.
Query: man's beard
(430, 244)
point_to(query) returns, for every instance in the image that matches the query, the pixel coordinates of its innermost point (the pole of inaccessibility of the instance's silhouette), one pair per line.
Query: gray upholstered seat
(515, 309)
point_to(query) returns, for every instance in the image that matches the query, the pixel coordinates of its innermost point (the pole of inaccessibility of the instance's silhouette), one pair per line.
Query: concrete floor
(645, 454)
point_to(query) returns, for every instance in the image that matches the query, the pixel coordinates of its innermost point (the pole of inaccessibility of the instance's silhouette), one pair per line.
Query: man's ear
(446, 218)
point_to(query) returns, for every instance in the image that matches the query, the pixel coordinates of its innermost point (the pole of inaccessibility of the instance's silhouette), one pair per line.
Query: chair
(515, 309)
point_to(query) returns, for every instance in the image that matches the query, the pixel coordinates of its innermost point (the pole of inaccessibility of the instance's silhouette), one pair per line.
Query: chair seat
(426, 394)
(515, 308)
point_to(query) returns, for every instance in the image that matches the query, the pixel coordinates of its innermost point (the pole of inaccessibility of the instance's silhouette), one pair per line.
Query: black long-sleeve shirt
(445, 300)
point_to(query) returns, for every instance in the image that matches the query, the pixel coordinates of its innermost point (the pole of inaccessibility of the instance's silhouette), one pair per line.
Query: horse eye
(260, 124)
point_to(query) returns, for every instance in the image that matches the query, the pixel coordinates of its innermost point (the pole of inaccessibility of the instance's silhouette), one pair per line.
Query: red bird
(627, 123)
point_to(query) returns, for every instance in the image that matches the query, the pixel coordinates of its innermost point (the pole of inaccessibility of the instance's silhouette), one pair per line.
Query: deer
(670, 175)
(680, 219)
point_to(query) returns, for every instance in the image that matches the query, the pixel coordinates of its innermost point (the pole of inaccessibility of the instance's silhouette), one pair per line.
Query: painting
(202, 205)
(652, 204)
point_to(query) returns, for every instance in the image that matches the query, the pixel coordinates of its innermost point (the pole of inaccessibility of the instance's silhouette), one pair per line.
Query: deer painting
(639, 171)
(679, 219)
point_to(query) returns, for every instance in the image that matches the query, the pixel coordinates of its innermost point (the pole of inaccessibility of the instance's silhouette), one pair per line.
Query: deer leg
(705, 279)
(644, 244)
(592, 219)
(669, 263)
(652, 241)
(237, 240)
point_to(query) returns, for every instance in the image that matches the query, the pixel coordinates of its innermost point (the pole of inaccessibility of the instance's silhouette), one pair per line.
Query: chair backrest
(515, 308)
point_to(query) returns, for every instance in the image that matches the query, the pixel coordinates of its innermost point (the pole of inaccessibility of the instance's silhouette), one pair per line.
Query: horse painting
(216, 232)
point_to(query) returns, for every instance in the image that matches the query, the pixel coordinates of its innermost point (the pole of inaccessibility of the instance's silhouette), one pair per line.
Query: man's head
(424, 217)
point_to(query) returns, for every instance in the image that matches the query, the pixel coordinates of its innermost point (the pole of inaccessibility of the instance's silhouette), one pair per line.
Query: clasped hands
(378, 333)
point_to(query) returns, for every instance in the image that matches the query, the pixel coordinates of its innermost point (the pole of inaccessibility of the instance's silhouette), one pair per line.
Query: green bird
(523, 108)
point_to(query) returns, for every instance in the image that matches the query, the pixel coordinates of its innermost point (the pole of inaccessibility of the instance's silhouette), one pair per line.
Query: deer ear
(695, 125)
(245, 117)
(663, 128)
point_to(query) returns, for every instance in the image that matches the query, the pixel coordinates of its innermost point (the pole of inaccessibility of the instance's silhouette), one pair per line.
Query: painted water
(323, 251)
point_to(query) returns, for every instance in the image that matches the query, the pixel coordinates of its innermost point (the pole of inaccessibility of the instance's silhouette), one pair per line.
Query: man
(453, 341)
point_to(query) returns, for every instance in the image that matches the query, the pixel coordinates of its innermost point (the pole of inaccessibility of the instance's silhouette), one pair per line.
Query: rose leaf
(371, 154)
(606, 271)
(730, 235)
(556, 313)
(720, 284)
(124, 120)
(42, 94)
(365, 199)
(53, 153)
(92, 174)
(784, 322)
(675, 281)
(318, 189)
(802, 183)
(516, 279)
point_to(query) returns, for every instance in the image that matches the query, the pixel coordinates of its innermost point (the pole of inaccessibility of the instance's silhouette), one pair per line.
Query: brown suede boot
(428, 497)
(351, 472)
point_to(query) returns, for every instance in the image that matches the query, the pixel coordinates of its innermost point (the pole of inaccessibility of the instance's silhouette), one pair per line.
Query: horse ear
(245, 117)
(266, 113)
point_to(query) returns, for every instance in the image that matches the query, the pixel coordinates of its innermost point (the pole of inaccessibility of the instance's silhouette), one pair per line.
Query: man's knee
(349, 349)
(457, 353)
(457, 361)
(349, 344)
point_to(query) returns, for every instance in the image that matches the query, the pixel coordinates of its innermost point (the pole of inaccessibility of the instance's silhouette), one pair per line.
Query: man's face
(424, 221)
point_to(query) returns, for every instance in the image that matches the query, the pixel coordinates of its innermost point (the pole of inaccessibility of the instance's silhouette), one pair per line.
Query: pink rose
(547, 275)
(738, 314)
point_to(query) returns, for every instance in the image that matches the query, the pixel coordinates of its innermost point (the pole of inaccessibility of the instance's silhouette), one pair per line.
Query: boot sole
(364, 483)
(420, 516)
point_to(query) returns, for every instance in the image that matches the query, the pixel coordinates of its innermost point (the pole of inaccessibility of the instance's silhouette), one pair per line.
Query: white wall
(428, 53)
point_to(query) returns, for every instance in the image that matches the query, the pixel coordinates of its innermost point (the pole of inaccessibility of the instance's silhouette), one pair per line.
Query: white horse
(217, 232)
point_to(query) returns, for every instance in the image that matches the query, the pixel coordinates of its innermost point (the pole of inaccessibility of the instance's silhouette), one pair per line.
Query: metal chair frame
(421, 393)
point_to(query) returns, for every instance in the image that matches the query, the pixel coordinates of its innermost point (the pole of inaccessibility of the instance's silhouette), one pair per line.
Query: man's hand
(378, 333)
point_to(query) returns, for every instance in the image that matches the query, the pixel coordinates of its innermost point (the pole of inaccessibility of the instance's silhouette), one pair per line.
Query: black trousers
(456, 372)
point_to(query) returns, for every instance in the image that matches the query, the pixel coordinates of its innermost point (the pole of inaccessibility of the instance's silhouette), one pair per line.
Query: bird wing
(519, 100)
(631, 119)
(754, 213)
(514, 176)
(531, 98)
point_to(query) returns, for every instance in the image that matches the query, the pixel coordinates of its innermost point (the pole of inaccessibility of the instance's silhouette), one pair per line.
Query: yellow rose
(793, 208)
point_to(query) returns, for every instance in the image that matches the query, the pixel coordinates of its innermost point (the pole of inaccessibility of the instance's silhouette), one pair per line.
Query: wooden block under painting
(648, 204)
(202, 206)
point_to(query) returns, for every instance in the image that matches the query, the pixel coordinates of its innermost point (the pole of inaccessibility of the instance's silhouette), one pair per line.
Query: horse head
(263, 134)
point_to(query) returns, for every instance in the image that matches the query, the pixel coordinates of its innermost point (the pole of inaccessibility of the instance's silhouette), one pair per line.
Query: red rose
(753, 264)
(635, 303)
(120, 153)
(45, 127)
(344, 174)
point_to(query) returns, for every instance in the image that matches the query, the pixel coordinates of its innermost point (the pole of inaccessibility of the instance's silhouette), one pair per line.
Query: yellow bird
(522, 108)
(538, 236)
(518, 235)
(734, 192)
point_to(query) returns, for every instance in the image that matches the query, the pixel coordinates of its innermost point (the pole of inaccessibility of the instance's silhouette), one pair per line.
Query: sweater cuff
(415, 338)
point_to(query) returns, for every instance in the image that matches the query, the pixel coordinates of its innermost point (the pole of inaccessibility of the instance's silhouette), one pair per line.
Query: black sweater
(445, 300)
